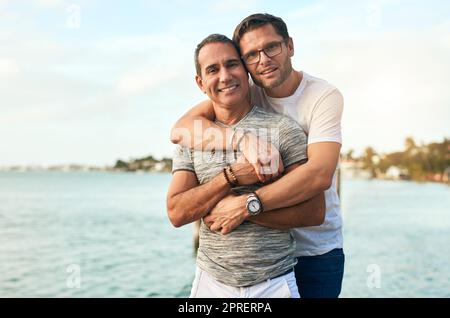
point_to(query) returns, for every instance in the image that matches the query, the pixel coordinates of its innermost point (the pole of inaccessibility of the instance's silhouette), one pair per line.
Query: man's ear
(290, 46)
(199, 81)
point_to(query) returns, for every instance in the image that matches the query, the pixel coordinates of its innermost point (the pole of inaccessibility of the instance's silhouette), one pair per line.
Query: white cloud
(393, 78)
(120, 65)
(9, 66)
(65, 92)
(306, 11)
(140, 42)
(141, 82)
(9, 16)
(442, 33)
(394, 86)
(133, 87)
(232, 5)
(48, 3)
(152, 60)
(58, 4)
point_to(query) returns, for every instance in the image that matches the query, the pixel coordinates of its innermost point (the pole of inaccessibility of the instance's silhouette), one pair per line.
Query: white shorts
(206, 286)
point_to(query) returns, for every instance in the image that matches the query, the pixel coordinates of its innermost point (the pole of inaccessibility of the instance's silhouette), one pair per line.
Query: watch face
(253, 206)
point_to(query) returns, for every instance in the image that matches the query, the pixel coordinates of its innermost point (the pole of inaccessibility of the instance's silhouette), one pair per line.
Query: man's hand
(262, 155)
(227, 215)
(244, 171)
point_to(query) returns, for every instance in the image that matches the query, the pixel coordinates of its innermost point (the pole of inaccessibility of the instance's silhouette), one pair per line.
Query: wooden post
(196, 235)
(338, 182)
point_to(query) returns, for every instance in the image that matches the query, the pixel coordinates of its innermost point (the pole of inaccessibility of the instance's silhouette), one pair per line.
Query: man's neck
(288, 87)
(230, 115)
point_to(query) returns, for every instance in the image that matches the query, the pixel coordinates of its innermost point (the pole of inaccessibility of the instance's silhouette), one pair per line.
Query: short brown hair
(212, 38)
(257, 20)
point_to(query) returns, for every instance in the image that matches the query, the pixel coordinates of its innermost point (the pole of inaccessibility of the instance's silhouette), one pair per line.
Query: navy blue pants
(320, 276)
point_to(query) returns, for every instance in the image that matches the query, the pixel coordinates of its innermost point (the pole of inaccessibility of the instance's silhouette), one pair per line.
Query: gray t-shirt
(251, 253)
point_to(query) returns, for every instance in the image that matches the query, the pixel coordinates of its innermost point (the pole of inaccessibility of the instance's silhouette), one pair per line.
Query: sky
(93, 81)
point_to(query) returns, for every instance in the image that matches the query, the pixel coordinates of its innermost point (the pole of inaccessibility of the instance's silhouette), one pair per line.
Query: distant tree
(149, 158)
(121, 164)
(167, 161)
(410, 144)
(368, 160)
(422, 162)
(438, 156)
(393, 159)
(349, 155)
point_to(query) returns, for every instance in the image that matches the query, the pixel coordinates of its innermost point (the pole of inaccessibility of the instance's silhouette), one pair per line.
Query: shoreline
(84, 171)
(113, 171)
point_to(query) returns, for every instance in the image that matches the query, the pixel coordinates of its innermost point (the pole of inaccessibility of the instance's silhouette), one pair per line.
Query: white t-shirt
(317, 106)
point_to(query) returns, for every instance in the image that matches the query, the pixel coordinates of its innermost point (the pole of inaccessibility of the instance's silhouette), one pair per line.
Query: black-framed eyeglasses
(271, 50)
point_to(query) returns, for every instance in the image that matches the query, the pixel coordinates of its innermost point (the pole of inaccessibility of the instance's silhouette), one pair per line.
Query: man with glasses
(317, 106)
(271, 50)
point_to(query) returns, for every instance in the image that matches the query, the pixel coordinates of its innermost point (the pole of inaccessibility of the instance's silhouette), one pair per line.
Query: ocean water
(396, 239)
(107, 235)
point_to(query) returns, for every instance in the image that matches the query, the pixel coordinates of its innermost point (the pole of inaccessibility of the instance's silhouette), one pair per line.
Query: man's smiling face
(223, 76)
(268, 72)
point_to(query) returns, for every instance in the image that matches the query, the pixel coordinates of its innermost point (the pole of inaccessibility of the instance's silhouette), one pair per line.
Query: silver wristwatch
(254, 205)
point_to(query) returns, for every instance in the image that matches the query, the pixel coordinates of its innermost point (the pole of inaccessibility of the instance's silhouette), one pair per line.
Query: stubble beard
(285, 72)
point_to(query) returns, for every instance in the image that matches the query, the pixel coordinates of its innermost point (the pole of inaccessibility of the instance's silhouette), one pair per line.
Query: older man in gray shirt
(256, 259)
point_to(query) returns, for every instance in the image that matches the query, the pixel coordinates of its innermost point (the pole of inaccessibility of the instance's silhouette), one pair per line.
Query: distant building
(146, 164)
(353, 169)
(396, 173)
(446, 175)
(160, 166)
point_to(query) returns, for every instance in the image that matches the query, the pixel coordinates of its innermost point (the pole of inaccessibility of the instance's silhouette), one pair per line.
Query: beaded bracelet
(235, 180)
(226, 177)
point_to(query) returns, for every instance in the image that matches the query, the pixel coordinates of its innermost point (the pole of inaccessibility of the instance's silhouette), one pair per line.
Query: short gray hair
(212, 38)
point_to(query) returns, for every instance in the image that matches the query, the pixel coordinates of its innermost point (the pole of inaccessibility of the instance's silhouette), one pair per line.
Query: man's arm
(323, 154)
(191, 130)
(308, 180)
(308, 213)
(196, 130)
(188, 202)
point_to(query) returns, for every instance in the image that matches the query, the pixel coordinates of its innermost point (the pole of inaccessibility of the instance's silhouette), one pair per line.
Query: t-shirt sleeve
(182, 159)
(326, 119)
(256, 97)
(292, 142)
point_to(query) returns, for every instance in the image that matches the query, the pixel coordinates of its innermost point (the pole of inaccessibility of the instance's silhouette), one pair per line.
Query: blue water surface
(95, 234)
